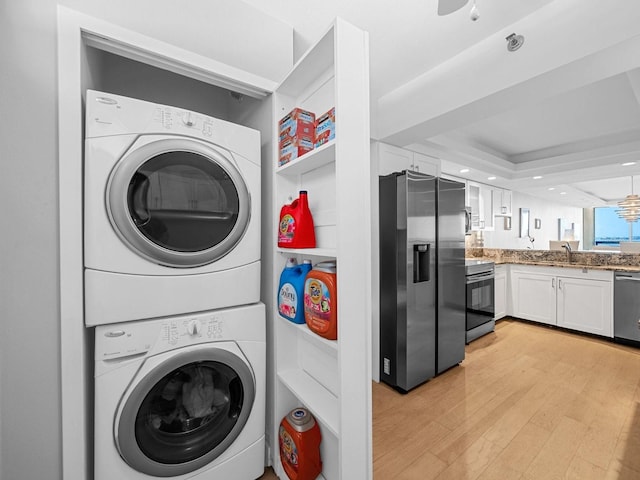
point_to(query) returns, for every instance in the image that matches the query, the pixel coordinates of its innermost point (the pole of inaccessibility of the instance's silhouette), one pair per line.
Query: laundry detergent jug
(296, 229)
(321, 300)
(291, 291)
(300, 445)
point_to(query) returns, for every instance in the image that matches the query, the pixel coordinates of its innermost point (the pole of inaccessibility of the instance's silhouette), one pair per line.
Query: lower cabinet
(501, 291)
(574, 298)
(585, 305)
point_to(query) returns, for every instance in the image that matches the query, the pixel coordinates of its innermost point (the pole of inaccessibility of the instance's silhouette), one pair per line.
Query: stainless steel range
(480, 298)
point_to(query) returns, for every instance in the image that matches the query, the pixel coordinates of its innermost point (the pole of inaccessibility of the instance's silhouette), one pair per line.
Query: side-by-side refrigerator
(422, 277)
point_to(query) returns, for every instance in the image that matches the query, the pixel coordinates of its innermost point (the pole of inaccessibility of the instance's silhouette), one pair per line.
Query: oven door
(480, 299)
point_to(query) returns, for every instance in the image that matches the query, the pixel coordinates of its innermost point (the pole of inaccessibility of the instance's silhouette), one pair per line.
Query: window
(609, 229)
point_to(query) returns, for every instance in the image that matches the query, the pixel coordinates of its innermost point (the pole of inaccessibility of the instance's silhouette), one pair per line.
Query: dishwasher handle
(626, 278)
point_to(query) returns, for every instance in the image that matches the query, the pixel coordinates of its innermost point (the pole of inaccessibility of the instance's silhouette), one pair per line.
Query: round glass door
(178, 202)
(181, 418)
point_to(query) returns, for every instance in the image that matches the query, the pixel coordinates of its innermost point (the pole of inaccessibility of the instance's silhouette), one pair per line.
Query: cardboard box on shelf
(325, 128)
(292, 148)
(297, 124)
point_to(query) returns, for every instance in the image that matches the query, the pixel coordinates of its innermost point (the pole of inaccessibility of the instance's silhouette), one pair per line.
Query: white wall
(30, 404)
(229, 31)
(29, 308)
(547, 212)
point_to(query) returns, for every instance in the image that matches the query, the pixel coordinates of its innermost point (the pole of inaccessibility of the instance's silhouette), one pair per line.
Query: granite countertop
(552, 258)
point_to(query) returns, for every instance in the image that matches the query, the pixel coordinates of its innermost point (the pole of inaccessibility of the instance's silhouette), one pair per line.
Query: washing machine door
(185, 412)
(178, 202)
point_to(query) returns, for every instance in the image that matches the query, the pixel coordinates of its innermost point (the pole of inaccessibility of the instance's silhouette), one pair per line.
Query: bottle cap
(291, 262)
(300, 419)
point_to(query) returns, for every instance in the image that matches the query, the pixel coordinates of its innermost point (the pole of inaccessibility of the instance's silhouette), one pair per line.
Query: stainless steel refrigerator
(422, 277)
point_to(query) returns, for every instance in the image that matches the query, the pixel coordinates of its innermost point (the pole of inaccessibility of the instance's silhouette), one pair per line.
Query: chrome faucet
(567, 247)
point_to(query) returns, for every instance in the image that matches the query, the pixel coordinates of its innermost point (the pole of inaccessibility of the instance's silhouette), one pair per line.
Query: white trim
(76, 30)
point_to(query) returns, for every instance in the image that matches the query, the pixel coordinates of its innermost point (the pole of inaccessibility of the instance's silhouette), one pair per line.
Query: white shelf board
(316, 158)
(330, 346)
(310, 66)
(320, 401)
(316, 252)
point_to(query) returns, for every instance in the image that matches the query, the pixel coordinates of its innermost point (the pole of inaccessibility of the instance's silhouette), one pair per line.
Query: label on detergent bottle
(317, 301)
(287, 229)
(287, 301)
(288, 450)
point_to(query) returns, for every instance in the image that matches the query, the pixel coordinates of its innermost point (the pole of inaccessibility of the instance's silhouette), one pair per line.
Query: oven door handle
(480, 277)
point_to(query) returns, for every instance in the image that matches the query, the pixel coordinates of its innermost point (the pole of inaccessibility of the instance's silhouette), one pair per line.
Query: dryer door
(178, 202)
(185, 412)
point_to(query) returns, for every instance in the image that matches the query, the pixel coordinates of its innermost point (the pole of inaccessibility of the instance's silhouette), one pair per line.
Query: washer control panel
(140, 337)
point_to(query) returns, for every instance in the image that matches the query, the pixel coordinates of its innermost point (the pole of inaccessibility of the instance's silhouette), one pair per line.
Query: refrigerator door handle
(421, 262)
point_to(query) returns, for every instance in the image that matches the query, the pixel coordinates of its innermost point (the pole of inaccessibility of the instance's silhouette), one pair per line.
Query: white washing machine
(181, 397)
(171, 211)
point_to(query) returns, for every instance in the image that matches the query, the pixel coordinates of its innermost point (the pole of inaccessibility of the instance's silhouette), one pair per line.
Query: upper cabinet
(331, 378)
(479, 198)
(502, 202)
(396, 159)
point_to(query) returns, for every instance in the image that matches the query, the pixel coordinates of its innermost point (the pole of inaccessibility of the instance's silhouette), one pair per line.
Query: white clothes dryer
(181, 397)
(171, 211)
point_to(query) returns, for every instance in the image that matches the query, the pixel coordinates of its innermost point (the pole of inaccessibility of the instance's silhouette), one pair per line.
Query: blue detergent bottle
(291, 291)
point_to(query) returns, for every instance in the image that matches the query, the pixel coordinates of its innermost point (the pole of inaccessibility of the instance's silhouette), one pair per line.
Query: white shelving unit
(330, 378)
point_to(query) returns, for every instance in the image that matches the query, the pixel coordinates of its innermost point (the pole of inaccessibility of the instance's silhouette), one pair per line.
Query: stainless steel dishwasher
(626, 306)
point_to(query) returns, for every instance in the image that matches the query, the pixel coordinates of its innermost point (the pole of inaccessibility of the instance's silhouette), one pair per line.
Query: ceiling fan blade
(445, 7)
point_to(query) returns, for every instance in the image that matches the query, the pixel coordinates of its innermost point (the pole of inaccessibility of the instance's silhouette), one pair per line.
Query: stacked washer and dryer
(172, 287)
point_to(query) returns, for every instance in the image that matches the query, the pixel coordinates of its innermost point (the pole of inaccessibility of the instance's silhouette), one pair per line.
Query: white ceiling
(565, 107)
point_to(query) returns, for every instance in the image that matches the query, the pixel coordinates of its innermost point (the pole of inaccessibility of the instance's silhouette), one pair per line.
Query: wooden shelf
(320, 401)
(316, 158)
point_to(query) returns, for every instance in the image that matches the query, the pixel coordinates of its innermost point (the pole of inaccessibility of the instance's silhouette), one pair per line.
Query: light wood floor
(527, 403)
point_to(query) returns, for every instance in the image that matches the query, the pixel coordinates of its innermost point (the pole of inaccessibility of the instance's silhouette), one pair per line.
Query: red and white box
(297, 124)
(325, 128)
(292, 148)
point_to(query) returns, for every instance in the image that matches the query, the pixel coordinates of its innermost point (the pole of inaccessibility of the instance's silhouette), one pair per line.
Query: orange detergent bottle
(321, 300)
(299, 440)
(296, 229)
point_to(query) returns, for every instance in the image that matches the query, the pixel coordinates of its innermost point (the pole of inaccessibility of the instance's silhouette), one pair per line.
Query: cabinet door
(486, 208)
(501, 202)
(534, 297)
(585, 305)
(393, 159)
(424, 164)
(500, 289)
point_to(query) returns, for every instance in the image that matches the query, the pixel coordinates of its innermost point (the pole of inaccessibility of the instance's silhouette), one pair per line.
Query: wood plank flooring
(528, 403)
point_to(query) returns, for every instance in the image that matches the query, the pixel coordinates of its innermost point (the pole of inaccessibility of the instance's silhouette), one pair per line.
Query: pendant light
(630, 206)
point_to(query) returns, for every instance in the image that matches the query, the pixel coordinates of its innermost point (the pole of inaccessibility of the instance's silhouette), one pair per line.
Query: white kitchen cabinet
(395, 159)
(502, 202)
(534, 295)
(574, 298)
(480, 198)
(585, 305)
(501, 291)
(332, 378)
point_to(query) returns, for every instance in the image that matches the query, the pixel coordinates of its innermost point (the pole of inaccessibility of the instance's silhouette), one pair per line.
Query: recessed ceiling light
(491, 178)
(563, 193)
(552, 188)
(537, 177)
(464, 170)
(627, 164)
